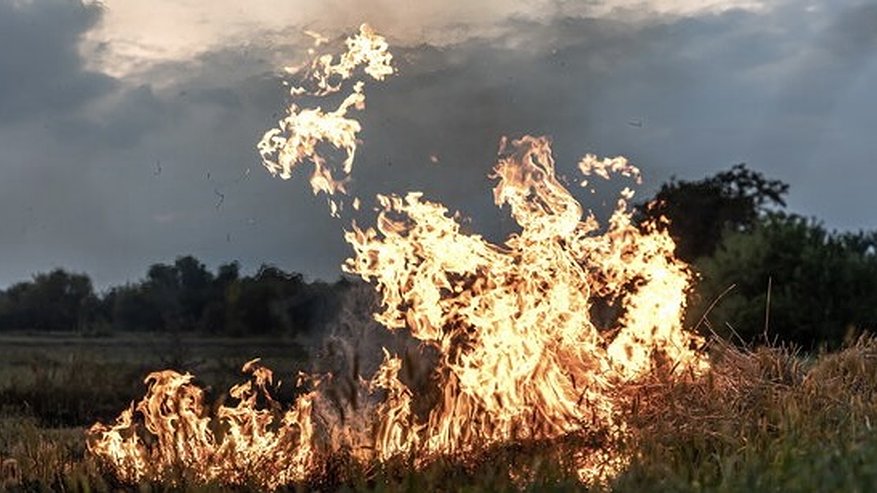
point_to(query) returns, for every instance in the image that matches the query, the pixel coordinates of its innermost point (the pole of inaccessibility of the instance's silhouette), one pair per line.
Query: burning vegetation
(518, 353)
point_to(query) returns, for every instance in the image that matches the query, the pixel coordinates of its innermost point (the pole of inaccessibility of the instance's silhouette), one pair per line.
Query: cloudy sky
(128, 127)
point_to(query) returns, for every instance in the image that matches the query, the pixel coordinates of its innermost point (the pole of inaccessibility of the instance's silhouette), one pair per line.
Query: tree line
(180, 297)
(761, 273)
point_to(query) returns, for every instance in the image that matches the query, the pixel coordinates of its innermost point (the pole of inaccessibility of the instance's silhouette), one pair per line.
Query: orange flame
(522, 351)
(520, 356)
(297, 136)
(183, 438)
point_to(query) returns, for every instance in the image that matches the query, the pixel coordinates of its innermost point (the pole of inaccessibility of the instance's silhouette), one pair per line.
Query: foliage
(823, 286)
(57, 299)
(179, 297)
(700, 211)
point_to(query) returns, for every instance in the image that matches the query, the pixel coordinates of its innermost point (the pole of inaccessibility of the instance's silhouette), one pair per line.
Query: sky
(128, 127)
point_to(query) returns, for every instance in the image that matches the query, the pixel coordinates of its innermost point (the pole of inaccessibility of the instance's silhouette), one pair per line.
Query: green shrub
(823, 285)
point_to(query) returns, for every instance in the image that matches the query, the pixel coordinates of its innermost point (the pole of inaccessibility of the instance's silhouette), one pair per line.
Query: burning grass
(525, 386)
(766, 419)
(517, 356)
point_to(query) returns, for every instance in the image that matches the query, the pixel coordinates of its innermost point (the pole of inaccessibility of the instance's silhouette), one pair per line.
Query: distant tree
(57, 300)
(315, 305)
(699, 212)
(183, 296)
(215, 316)
(258, 305)
(134, 309)
(823, 285)
(227, 274)
(5, 311)
(195, 289)
(162, 288)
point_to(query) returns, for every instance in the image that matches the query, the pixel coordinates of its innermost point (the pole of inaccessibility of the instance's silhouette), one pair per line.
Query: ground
(767, 419)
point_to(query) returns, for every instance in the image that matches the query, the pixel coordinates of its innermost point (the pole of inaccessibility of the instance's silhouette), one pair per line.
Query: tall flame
(522, 350)
(520, 356)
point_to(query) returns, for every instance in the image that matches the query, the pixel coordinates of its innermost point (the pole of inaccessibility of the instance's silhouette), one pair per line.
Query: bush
(823, 285)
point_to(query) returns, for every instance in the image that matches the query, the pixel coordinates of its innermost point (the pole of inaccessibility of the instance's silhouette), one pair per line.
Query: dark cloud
(852, 37)
(129, 115)
(838, 50)
(40, 70)
(710, 91)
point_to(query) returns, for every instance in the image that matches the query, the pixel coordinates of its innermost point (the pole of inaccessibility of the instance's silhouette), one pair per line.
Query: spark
(221, 198)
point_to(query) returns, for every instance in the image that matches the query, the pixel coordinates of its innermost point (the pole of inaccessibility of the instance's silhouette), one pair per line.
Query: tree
(215, 316)
(823, 285)
(134, 309)
(195, 289)
(183, 296)
(699, 212)
(57, 300)
(259, 304)
(162, 289)
(227, 274)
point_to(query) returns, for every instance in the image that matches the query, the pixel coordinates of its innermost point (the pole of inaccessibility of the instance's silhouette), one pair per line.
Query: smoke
(351, 350)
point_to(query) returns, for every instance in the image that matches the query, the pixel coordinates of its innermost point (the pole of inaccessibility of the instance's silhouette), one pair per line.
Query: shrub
(823, 285)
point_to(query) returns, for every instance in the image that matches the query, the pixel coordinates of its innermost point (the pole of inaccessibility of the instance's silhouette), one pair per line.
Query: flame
(297, 136)
(227, 448)
(591, 164)
(522, 352)
(520, 357)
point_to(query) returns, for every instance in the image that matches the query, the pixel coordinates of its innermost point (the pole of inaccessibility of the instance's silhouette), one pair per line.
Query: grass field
(762, 420)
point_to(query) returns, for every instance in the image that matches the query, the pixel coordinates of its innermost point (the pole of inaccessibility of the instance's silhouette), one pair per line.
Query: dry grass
(766, 419)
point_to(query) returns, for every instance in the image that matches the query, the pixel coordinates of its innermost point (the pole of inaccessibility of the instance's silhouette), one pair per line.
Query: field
(53, 387)
(766, 419)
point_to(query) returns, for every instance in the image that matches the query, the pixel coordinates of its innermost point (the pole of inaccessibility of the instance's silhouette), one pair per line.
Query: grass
(762, 420)
(63, 380)
(766, 419)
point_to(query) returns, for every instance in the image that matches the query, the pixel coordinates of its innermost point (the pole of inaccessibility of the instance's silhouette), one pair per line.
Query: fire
(296, 138)
(523, 353)
(520, 357)
(182, 437)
